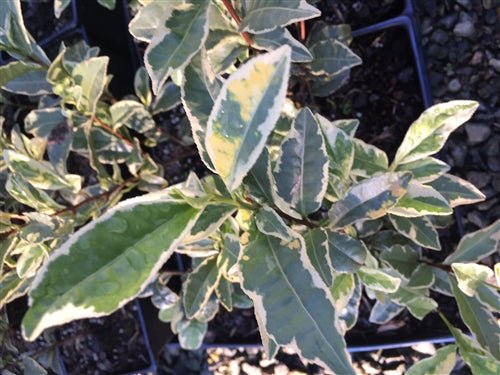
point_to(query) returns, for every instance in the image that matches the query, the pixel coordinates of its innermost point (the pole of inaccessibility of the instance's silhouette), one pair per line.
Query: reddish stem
(232, 12)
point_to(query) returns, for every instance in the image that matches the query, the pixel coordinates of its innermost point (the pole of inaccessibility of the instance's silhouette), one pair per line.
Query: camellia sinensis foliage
(297, 218)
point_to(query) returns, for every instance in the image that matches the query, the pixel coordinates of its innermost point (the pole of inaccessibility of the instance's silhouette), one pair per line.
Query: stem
(114, 132)
(302, 30)
(236, 18)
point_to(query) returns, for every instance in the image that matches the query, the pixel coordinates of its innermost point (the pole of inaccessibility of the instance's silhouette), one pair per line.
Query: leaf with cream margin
(425, 170)
(442, 362)
(456, 190)
(301, 172)
(181, 38)
(332, 58)
(481, 322)
(369, 199)
(418, 229)
(245, 113)
(477, 245)
(429, 132)
(470, 276)
(378, 279)
(265, 15)
(368, 159)
(279, 278)
(107, 262)
(421, 200)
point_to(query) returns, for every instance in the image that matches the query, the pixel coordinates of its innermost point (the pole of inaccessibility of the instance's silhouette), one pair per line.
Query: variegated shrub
(297, 218)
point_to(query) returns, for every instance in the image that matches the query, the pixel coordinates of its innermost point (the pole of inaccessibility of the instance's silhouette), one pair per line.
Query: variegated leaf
(425, 170)
(129, 245)
(191, 333)
(378, 279)
(418, 229)
(317, 250)
(368, 159)
(332, 57)
(470, 276)
(383, 312)
(403, 259)
(270, 223)
(369, 199)
(278, 37)
(181, 37)
(199, 286)
(456, 190)
(301, 172)
(422, 277)
(345, 253)
(279, 278)
(245, 113)
(265, 15)
(442, 362)
(475, 246)
(347, 298)
(421, 200)
(430, 131)
(259, 179)
(481, 322)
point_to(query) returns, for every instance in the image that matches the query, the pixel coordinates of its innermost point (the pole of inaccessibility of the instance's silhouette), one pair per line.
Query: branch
(232, 11)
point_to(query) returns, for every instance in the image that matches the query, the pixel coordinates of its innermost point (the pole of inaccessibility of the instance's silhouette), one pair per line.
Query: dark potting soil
(107, 345)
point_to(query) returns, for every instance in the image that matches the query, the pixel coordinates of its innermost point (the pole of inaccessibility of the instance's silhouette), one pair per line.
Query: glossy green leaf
(131, 114)
(130, 243)
(245, 113)
(259, 180)
(481, 322)
(470, 276)
(32, 256)
(332, 58)
(442, 362)
(32, 83)
(339, 147)
(199, 92)
(41, 122)
(383, 312)
(425, 170)
(183, 34)
(477, 245)
(191, 333)
(422, 277)
(281, 281)
(265, 15)
(403, 259)
(456, 190)
(378, 279)
(418, 229)
(430, 131)
(345, 253)
(90, 76)
(15, 69)
(142, 87)
(278, 37)
(199, 286)
(421, 200)
(301, 171)
(368, 159)
(168, 98)
(369, 199)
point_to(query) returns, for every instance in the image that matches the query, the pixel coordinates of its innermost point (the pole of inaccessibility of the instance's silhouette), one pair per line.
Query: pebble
(491, 17)
(495, 64)
(476, 58)
(486, 4)
(467, 4)
(495, 182)
(439, 36)
(448, 21)
(494, 163)
(464, 28)
(476, 218)
(478, 179)
(477, 133)
(454, 85)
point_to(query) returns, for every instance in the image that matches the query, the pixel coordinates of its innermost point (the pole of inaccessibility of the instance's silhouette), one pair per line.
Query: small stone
(495, 182)
(448, 21)
(477, 133)
(493, 146)
(476, 58)
(478, 179)
(425, 347)
(458, 154)
(250, 370)
(464, 28)
(495, 64)
(476, 218)
(465, 3)
(494, 163)
(486, 4)
(490, 17)
(439, 36)
(454, 85)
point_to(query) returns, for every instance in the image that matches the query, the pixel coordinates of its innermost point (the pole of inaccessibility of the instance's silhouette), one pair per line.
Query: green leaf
(421, 200)
(109, 4)
(278, 37)
(224, 48)
(12, 287)
(41, 122)
(182, 36)
(425, 170)
(129, 245)
(245, 113)
(430, 131)
(441, 282)
(378, 279)
(301, 172)
(475, 246)
(199, 286)
(332, 58)
(265, 15)
(259, 179)
(15, 69)
(369, 199)
(131, 114)
(346, 291)
(479, 320)
(150, 19)
(470, 276)
(339, 147)
(442, 362)
(418, 229)
(168, 98)
(32, 256)
(224, 293)
(191, 333)
(403, 259)
(142, 87)
(32, 83)
(316, 241)
(281, 281)
(270, 223)
(323, 31)
(383, 312)
(345, 253)
(422, 277)
(456, 190)
(199, 92)
(368, 159)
